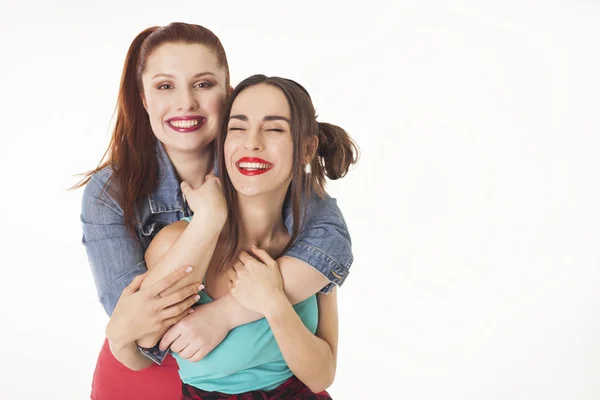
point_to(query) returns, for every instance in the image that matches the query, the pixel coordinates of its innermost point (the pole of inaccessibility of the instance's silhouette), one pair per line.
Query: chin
(248, 190)
(192, 145)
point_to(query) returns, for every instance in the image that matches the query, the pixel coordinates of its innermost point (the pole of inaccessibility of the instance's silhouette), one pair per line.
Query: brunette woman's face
(184, 95)
(259, 148)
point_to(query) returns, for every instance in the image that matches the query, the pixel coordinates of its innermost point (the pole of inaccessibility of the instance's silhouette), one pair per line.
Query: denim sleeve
(114, 255)
(324, 241)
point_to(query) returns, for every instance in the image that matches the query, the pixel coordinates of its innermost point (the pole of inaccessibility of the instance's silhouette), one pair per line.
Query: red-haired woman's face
(184, 95)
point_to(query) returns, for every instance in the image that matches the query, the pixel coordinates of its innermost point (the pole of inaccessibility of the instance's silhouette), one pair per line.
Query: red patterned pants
(292, 389)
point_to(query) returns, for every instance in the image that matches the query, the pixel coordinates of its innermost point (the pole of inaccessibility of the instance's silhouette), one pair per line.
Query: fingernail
(188, 269)
(200, 287)
(197, 297)
(254, 247)
(191, 311)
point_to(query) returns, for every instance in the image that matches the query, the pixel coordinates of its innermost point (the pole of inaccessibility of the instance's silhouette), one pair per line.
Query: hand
(140, 312)
(197, 334)
(254, 284)
(209, 196)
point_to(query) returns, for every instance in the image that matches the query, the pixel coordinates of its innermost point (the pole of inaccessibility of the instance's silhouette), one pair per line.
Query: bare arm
(311, 357)
(183, 243)
(129, 356)
(151, 311)
(304, 281)
(169, 238)
(318, 260)
(190, 244)
(300, 281)
(257, 284)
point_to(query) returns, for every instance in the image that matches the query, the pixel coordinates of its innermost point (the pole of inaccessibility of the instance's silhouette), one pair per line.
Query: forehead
(182, 59)
(261, 100)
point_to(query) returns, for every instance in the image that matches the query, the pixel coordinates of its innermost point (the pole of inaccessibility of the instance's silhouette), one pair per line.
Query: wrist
(229, 308)
(120, 346)
(278, 306)
(208, 220)
(116, 340)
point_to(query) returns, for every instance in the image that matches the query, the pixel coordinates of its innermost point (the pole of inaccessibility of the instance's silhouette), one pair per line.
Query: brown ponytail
(335, 153)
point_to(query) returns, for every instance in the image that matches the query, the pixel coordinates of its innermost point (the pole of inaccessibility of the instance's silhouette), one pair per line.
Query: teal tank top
(247, 359)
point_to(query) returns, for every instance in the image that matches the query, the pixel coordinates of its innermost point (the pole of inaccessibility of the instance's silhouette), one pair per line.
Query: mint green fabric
(248, 359)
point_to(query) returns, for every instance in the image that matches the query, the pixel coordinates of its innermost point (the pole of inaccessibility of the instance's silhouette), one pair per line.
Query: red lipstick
(252, 166)
(185, 124)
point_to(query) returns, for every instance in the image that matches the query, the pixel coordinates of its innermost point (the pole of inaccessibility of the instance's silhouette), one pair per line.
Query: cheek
(156, 108)
(229, 149)
(215, 103)
(286, 157)
(229, 146)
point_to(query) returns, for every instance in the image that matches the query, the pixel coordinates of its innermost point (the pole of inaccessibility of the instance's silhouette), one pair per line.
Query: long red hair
(131, 153)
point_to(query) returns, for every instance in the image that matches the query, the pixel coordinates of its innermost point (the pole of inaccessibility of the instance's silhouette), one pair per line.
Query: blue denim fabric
(116, 257)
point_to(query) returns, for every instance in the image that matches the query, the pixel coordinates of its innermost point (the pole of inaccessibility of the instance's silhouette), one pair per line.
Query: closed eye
(275, 130)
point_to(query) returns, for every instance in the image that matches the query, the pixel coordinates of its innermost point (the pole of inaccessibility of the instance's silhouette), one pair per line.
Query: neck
(261, 221)
(192, 167)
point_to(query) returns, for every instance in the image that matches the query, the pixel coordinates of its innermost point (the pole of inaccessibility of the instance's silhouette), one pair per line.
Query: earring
(307, 169)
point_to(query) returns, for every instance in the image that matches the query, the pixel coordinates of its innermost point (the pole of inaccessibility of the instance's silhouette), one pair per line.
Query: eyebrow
(169, 76)
(266, 118)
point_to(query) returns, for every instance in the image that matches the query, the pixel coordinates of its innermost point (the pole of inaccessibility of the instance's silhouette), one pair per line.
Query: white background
(473, 210)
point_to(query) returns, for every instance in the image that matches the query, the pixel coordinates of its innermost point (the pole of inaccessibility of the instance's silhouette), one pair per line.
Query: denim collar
(167, 196)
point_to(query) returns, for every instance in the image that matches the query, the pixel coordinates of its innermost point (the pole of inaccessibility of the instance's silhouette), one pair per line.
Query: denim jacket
(116, 257)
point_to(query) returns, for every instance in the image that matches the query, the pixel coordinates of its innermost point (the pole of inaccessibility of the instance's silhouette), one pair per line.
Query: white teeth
(188, 123)
(247, 165)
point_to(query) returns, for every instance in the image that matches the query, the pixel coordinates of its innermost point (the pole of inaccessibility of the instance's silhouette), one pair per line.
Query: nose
(253, 140)
(186, 100)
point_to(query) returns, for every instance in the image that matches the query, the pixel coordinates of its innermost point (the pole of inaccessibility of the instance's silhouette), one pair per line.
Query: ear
(230, 90)
(310, 150)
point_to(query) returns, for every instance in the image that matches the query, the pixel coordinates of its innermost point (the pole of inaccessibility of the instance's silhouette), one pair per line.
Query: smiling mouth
(254, 166)
(251, 168)
(187, 125)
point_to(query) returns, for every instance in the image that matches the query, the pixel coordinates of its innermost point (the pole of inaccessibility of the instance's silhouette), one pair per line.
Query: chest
(216, 283)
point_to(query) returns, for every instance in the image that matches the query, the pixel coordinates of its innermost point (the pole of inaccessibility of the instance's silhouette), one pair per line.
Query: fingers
(135, 284)
(199, 355)
(180, 295)
(263, 256)
(187, 191)
(169, 337)
(180, 307)
(232, 273)
(245, 258)
(169, 280)
(173, 320)
(185, 187)
(212, 176)
(179, 344)
(188, 352)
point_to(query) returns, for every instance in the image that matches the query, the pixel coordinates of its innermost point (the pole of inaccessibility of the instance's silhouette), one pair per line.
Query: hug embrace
(214, 247)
